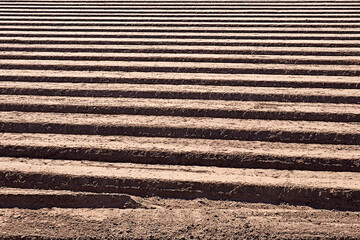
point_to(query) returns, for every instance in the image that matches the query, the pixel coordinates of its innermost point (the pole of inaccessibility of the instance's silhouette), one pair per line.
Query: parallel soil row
(184, 107)
(187, 67)
(250, 102)
(94, 47)
(188, 182)
(22, 24)
(182, 151)
(196, 41)
(257, 29)
(166, 91)
(37, 199)
(202, 3)
(166, 6)
(170, 57)
(254, 80)
(187, 20)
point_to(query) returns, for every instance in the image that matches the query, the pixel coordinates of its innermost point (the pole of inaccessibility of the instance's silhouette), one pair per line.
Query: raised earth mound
(180, 119)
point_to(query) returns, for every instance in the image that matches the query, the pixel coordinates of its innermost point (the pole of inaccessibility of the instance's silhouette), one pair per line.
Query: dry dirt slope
(154, 104)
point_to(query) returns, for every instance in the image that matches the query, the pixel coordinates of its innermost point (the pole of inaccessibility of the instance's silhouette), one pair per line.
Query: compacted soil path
(180, 119)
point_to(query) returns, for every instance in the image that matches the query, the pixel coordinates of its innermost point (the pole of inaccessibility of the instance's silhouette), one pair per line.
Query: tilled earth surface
(159, 218)
(172, 119)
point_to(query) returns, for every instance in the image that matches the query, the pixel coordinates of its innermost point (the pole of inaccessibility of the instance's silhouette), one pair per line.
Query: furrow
(181, 24)
(155, 57)
(190, 16)
(36, 199)
(174, 49)
(156, 31)
(183, 3)
(183, 107)
(180, 42)
(325, 190)
(187, 67)
(182, 92)
(192, 5)
(184, 8)
(188, 35)
(114, 30)
(166, 14)
(182, 151)
(114, 11)
(182, 19)
(253, 80)
(195, 1)
(25, 27)
(112, 8)
(174, 10)
(182, 127)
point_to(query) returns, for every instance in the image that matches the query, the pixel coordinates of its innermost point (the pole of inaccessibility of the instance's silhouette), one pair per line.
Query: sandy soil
(318, 189)
(188, 89)
(163, 119)
(181, 219)
(189, 145)
(283, 107)
(211, 79)
(321, 51)
(182, 122)
(165, 66)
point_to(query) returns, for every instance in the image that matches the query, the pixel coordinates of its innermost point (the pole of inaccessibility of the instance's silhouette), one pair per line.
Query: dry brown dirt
(160, 218)
(189, 119)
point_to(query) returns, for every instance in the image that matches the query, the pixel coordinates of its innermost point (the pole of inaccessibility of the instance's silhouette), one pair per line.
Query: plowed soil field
(169, 119)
